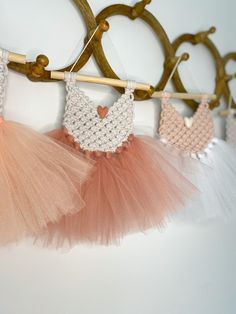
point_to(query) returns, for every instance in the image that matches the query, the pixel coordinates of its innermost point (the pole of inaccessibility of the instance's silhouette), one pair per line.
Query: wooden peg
(171, 61)
(143, 94)
(103, 27)
(202, 36)
(37, 69)
(151, 90)
(138, 8)
(185, 56)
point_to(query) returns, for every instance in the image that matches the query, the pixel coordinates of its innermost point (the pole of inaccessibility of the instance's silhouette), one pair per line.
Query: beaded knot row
(206, 151)
(97, 154)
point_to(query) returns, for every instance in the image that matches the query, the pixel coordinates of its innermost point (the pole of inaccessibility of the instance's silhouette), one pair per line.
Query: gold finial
(202, 36)
(138, 8)
(171, 61)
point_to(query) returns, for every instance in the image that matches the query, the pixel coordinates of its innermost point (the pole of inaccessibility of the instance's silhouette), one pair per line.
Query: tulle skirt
(129, 192)
(215, 177)
(39, 181)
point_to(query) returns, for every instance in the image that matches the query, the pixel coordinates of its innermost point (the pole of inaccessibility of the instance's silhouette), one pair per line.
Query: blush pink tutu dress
(214, 173)
(39, 180)
(133, 187)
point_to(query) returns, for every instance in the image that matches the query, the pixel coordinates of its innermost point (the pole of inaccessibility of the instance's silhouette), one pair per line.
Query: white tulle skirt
(213, 172)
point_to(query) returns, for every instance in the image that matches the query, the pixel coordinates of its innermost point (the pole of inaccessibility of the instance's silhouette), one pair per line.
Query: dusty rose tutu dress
(39, 180)
(133, 187)
(215, 164)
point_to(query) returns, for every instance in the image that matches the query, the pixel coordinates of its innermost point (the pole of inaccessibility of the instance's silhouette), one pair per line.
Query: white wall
(186, 269)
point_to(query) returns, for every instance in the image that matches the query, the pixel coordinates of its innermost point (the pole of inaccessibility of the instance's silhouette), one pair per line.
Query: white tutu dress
(231, 128)
(214, 172)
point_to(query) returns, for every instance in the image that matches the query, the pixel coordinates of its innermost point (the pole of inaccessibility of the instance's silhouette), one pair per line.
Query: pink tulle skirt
(39, 181)
(131, 191)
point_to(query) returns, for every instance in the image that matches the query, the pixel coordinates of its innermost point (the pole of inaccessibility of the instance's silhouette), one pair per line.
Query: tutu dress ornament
(37, 176)
(133, 187)
(215, 167)
(230, 121)
(231, 128)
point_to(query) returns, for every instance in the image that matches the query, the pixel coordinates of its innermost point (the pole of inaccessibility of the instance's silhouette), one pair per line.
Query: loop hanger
(99, 80)
(85, 47)
(180, 95)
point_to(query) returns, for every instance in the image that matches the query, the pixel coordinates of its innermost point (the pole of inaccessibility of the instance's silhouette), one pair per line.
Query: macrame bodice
(3, 77)
(194, 139)
(231, 129)
(100, 129)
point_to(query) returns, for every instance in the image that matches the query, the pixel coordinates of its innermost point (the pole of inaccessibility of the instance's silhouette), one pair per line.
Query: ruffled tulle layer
(39, 181)
(215, 176)
(132, 191)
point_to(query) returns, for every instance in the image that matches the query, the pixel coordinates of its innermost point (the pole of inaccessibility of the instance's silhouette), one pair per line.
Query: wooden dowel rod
(57, 75)
(15, 57)
(224, 113)
(185, 96)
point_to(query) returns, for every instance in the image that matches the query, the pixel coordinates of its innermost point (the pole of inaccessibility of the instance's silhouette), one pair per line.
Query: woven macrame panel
(83, 120)
(192, 139)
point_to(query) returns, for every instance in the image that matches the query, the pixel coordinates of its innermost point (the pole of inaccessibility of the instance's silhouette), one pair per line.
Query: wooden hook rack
(36, 71)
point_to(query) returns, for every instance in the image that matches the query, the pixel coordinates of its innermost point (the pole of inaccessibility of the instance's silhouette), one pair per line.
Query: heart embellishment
(102, 111)
(188, 122)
